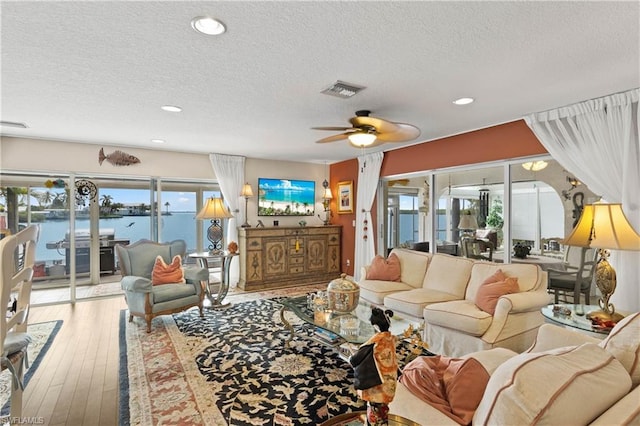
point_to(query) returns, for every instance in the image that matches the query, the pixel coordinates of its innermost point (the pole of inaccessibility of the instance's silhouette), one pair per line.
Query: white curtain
(229, 169)
(598, 142)
(368, 177)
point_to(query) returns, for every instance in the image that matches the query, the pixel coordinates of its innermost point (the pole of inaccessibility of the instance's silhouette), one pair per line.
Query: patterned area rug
(231, 368)
(43, 335)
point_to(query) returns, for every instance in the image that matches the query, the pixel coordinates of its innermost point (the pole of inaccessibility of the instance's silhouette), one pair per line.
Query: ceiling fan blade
(335, 129)
(381, 126)
(405, 132)
(333, 138)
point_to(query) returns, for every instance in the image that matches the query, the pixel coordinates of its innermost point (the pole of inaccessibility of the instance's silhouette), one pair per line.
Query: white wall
(255, 169)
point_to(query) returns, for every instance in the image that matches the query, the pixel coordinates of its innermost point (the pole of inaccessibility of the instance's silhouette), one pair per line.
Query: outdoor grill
(107, 242)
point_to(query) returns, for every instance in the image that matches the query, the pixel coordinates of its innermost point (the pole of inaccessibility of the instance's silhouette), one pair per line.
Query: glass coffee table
(353, 327)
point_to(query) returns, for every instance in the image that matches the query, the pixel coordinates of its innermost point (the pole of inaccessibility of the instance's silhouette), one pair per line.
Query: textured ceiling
(98, 72)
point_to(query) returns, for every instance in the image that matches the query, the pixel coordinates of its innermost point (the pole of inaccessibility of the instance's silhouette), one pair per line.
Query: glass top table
(574, 316)
(353, 327)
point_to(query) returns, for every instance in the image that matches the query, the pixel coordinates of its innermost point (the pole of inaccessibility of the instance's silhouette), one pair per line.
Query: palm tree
(167, 204)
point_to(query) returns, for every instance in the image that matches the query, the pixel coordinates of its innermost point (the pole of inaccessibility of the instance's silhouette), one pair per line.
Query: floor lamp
(215, 210)
(247, 192)
(604, 226)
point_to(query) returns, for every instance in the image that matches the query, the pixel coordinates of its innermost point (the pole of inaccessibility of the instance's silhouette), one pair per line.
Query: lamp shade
(604, 226)
(327, 194)
(214, 209)
(468, 221)
(247, 191)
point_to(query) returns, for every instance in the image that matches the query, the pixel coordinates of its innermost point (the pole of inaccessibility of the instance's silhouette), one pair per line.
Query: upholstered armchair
(147, 300)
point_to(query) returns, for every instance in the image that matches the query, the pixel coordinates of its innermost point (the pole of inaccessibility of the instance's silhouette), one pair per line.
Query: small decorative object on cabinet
(274, 257)
(343, 295)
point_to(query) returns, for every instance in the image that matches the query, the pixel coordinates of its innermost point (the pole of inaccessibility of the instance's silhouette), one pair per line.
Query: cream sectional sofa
(441, 289)
(565, 377)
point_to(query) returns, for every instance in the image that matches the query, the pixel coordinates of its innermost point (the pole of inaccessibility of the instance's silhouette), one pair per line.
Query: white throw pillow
(570, 385)
(624, 343)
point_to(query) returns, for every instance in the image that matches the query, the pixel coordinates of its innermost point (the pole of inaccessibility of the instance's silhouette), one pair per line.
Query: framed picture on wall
(345, 197)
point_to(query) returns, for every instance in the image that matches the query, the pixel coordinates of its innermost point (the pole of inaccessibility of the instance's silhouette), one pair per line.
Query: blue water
(133, 228)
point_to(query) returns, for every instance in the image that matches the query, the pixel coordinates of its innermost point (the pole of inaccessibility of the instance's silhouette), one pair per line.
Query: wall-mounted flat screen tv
(286, 197)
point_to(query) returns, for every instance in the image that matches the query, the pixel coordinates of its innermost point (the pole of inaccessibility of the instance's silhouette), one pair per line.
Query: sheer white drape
(229, 169)
(597, 141)
(368, 177)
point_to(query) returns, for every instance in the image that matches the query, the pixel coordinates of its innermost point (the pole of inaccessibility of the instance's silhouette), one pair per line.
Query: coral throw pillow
(453, 386)
(384, 269)
(489, 293)
(167, 274)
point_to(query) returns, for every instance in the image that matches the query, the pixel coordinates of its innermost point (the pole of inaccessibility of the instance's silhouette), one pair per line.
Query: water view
(178, 225)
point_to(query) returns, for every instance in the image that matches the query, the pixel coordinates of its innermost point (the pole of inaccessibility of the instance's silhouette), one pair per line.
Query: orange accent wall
(502, 142)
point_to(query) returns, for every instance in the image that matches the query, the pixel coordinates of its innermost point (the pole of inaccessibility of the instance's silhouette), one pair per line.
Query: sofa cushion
(462, 315)
(412, 302)
(489, 293)
(623, 342)
(553, 387)
(448, 274)
(413, 265)
(529, 276)
(450, 385)
(384, 269)
(164, 273)
(375, 291)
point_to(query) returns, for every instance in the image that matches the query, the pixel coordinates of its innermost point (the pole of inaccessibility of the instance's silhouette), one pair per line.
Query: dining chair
(576, 277)
(475, 248)
(17, 257)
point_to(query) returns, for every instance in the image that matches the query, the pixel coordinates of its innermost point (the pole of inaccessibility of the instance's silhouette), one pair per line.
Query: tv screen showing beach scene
(286, 197)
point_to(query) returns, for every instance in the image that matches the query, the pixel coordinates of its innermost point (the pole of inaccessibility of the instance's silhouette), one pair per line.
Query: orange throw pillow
(497, 276)
(167, 274)
(384, 269)
(489, 293)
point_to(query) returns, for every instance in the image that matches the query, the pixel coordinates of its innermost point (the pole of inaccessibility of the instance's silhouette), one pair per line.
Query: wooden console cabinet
(288, 256)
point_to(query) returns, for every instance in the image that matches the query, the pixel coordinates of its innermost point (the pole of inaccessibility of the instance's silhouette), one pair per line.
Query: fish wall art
(117, 158)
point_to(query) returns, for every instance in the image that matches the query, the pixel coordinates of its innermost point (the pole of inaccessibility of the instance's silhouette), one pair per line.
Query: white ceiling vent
(13, 124)
(342, 89)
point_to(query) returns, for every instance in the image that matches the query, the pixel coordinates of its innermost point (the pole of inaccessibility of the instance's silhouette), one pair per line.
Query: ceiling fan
(369, 131)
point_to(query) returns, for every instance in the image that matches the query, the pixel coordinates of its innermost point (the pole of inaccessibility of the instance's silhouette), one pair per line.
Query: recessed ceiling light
(207, 25)
(171, 108)
(463, 101)
(157, 140)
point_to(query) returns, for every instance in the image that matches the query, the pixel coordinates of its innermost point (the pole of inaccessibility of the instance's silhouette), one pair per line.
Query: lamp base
(245, 225)
(602, 316)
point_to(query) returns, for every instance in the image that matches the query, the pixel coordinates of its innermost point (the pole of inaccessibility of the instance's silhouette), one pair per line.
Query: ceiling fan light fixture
(535, 166)
(361, 139)
(207, 25)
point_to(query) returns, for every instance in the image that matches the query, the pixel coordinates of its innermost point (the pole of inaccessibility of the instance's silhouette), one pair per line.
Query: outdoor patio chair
(17, 257)
(147, 300)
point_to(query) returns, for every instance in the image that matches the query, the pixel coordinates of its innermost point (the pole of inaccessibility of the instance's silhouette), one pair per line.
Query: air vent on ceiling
(342, 89)
(13, 124)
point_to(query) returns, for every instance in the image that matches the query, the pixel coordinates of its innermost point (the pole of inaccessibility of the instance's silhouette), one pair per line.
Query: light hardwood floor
(77, 381)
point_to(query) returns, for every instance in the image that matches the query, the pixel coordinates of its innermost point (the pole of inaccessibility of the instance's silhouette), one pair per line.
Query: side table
(203, 260)
(571, 319)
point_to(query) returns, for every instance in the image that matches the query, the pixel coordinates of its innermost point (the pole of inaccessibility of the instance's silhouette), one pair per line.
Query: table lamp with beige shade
(604, 227)
(468, 224)
(215, 210)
